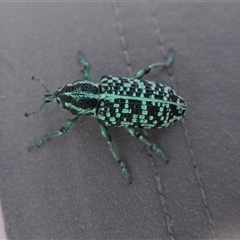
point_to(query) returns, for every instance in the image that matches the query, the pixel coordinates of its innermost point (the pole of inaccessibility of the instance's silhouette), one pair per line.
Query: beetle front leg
(146, 70)
(69, 124)
(106, 135)
(159, 152)
(86, 68)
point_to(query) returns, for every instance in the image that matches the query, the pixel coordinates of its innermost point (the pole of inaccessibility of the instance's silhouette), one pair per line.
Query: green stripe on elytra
(112, 96)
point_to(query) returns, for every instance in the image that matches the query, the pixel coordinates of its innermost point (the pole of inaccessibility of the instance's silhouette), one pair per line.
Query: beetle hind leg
(159, 152)
(107, 136)
(146, 70)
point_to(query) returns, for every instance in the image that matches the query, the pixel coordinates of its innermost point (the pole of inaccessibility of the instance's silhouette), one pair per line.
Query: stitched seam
(160, 190)
(186, 134)
(157, 177)
(169, 220)
(122, 38)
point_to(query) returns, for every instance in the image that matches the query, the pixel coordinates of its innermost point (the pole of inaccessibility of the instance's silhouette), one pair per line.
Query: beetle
(132, 103)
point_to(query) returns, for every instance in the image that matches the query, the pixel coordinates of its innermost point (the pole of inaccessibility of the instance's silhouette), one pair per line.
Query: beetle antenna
(33, 112)
(41, 81)
(40, 108)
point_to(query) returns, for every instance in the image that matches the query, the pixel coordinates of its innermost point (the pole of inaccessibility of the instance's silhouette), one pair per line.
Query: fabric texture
(71, 187)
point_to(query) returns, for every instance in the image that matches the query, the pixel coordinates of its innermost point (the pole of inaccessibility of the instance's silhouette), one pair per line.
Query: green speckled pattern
(137, 103)
(119, 102)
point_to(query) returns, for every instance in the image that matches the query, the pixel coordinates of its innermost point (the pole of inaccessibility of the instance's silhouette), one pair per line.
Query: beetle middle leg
(159, 152)
(106, 135)
(69, 124)
(86, 68)
(146, 70)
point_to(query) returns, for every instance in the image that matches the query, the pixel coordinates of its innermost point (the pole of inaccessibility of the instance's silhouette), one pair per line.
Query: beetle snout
(48, 97)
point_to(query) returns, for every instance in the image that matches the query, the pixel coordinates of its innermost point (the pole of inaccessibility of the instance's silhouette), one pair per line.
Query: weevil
(126, 102)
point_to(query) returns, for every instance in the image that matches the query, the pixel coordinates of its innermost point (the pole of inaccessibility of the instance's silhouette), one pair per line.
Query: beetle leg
(146, 70)
(107, 136)
(86, 68)
(134, 132)
(69, 124)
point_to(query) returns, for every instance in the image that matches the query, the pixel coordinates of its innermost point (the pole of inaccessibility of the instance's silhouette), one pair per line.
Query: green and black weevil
(117, 102)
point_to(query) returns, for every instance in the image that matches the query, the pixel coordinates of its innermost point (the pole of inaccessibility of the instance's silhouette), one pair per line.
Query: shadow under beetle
(118, 102)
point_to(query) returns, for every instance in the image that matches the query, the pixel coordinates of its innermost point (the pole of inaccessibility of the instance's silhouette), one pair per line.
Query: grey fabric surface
(72, 188)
